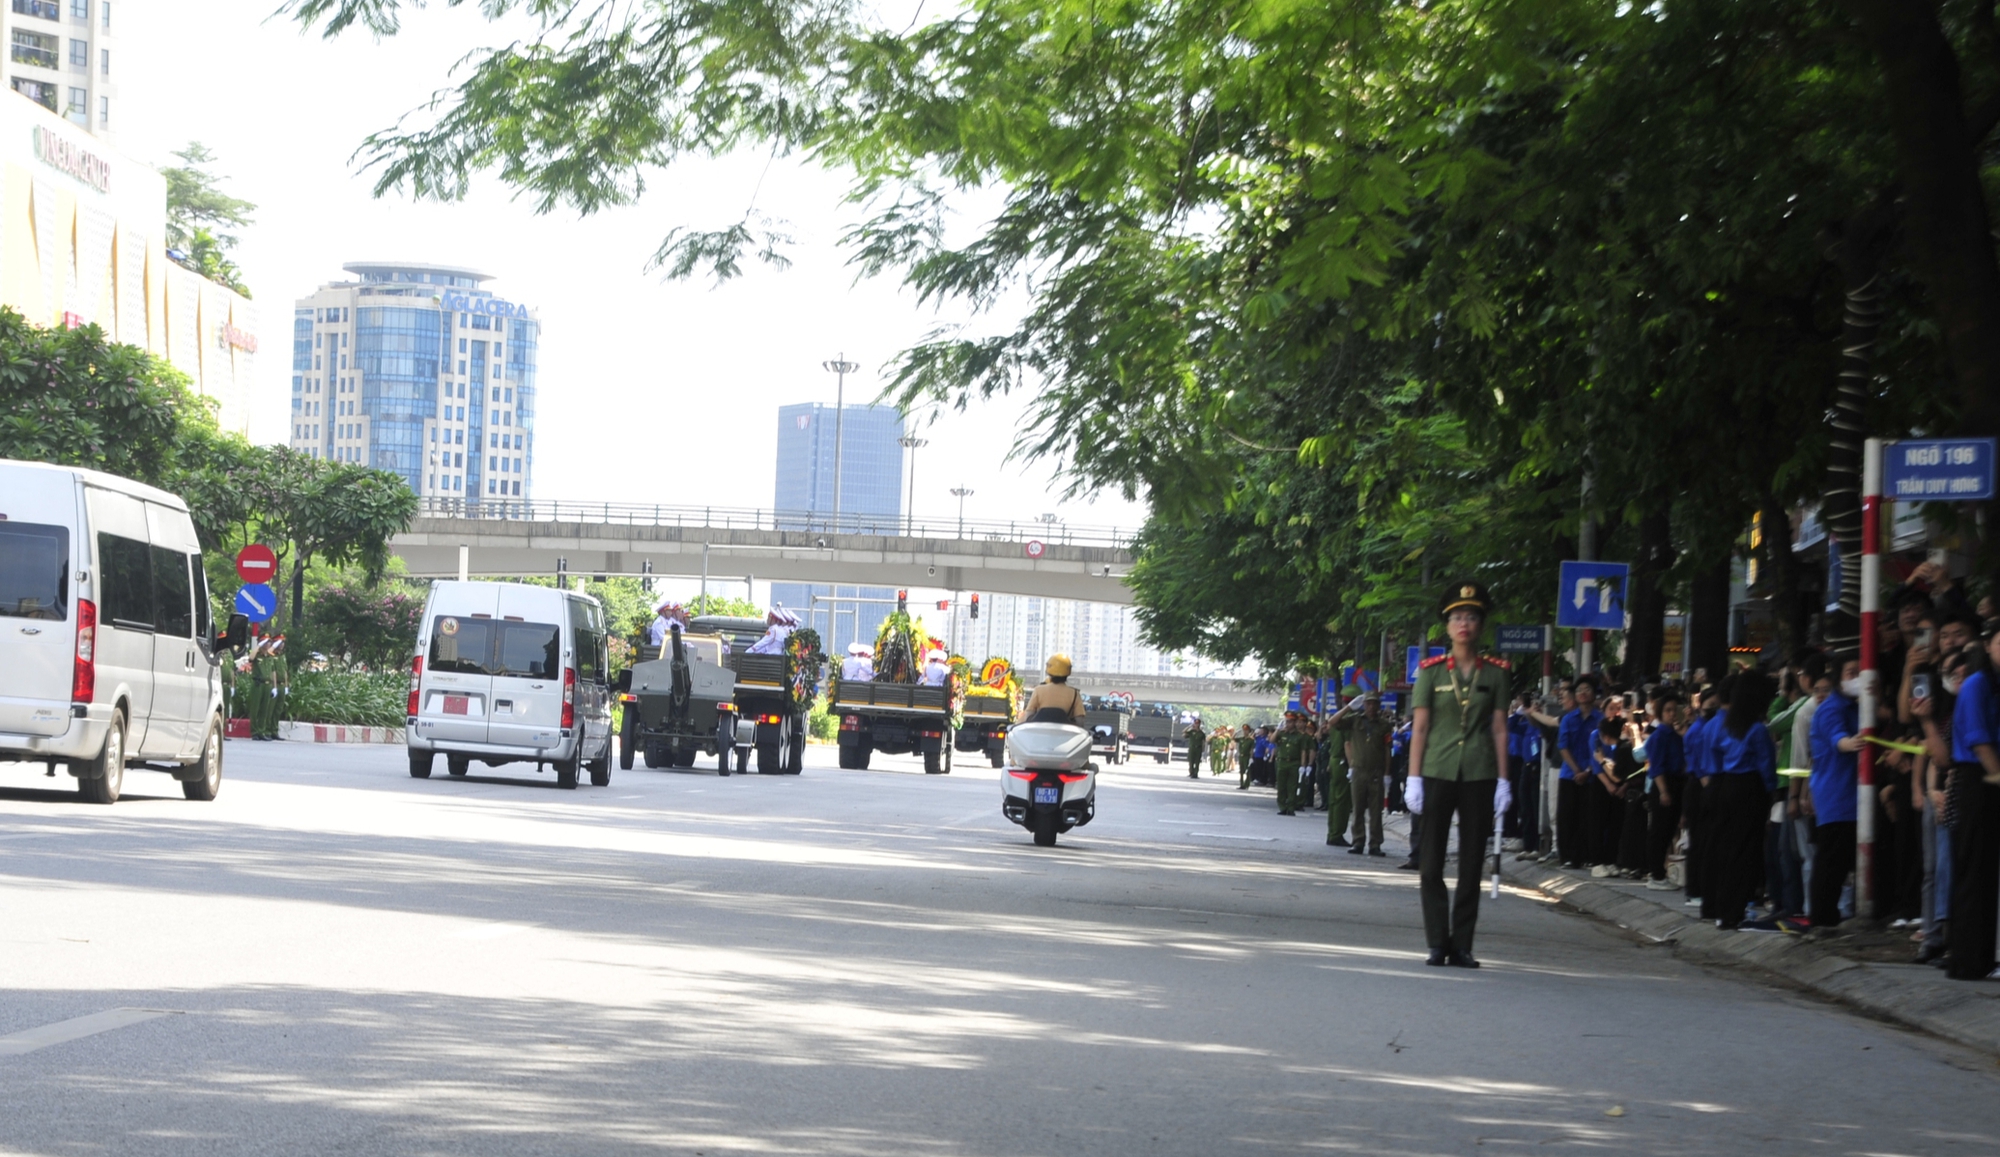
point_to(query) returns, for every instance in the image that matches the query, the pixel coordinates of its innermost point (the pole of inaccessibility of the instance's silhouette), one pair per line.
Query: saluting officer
(1457, 746)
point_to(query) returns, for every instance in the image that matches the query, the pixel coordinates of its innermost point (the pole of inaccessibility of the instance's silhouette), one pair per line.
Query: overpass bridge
(1048, 559)
(1180, 690)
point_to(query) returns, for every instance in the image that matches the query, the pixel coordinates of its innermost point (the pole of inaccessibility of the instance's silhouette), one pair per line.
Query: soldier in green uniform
(1366, 745)
(1246, 741)
(1333, 787)
(1197, 740)
(1458, 750)
(1292, 742)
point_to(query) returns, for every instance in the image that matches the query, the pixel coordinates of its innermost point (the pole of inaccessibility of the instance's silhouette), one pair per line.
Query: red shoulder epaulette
(1433, 661)
(1503, 664)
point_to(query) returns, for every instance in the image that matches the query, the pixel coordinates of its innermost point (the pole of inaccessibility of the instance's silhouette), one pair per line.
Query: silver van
(511, 673)
(107, 653)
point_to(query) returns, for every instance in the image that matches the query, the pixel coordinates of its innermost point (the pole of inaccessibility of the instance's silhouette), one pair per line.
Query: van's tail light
(83, 680)
(416, 677)
(569, 697)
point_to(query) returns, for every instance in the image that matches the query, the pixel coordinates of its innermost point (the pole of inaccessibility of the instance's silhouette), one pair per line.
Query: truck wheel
(933, 763)
(420, 764)
(865, 754)
(210, 782)
(458, 764)
(742, 759)
(795, 761)
(106, 776)
(628, 739)
(655, 756)
(767, 757)
(625, 754)
(995, 758)
(722, 761)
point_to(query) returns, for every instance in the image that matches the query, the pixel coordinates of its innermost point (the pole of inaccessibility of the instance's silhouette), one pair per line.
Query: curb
(337, 733)
(1914, 995)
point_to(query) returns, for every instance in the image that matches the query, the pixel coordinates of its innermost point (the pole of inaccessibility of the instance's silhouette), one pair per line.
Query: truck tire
(628, 739)
(865, 754)
(995, 758)
(105, 775)
(420, 764)
(210, 782)
(767, 757)
(656, 756)
(795, 757)
(742, 759)
(933, 763)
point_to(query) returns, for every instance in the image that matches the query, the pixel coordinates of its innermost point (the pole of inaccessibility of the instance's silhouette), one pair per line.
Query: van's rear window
(34, 571)
(468, 646)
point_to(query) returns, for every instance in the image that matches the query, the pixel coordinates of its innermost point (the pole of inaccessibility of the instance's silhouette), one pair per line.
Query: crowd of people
(1740, 791)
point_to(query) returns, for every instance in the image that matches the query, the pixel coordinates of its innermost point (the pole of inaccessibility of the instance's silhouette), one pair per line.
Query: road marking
(77, 1028)
(1227, 836)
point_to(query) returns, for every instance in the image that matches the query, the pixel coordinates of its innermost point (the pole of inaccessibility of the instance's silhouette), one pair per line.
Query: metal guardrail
(748, 518)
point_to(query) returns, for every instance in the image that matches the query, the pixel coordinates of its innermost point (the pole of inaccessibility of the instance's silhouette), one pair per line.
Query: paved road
(854, 963)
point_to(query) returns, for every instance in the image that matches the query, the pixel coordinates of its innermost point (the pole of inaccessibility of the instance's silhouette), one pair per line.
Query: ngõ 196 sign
(1938, 470)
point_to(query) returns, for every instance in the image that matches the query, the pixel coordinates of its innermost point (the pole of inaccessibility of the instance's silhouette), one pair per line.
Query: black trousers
(1606, 818)
(1450, 920)
(1663, 823)
(1737, 806)
(1833, 859)
(1975, 882)
(1632, 850)
(1569, 821)
(1694, 867)
(1528, 802)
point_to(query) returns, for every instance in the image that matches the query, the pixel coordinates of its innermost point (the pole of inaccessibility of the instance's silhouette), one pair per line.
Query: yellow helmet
(1058, 666)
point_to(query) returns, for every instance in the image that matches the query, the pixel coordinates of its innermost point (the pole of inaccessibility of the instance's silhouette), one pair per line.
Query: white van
(511, 673)
(107, 653)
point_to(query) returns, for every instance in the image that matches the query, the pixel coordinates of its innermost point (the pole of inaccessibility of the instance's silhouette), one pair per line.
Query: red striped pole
(1871, 595)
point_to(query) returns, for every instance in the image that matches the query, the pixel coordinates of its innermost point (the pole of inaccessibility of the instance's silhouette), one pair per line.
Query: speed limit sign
(1035, 548)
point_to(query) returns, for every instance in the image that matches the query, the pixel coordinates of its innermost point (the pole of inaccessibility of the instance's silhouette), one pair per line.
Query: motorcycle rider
(1054, 701)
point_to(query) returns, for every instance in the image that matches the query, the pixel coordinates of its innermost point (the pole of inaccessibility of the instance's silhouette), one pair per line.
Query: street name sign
(1520, 640)
(1938, 470)
(1591, 596)
(257, 602)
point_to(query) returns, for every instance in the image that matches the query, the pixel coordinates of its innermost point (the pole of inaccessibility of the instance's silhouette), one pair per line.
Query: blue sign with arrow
(1413, 656)
(257, 602)
(1591, 596)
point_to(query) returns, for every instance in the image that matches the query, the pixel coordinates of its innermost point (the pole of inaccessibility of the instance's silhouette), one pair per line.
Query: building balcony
(46, 9)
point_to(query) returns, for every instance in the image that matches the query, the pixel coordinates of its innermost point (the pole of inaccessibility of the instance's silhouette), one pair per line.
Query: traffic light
(562, 574)
(902, 602)
(944, 604)
(646, 568)
(975, 606)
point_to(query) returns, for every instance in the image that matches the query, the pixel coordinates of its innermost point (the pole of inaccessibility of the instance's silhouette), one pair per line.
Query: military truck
(772, 701)
(983, 722)
(897, 718)
(1153, 734)
(680, 705)
(1109, 723)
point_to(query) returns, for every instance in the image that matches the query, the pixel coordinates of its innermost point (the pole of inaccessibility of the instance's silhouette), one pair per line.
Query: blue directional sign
(257, 602)
(1520, 640)
(1412, 657)
(1591, 596)
(1938, 470)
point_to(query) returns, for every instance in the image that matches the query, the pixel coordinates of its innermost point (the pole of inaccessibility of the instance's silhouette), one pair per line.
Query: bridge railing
(750, 518)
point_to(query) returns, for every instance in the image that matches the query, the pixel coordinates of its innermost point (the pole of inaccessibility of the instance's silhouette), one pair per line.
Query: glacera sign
(60, 153)
(466, 303)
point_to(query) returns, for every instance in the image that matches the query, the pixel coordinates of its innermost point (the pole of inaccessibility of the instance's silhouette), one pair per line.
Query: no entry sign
(256, 563)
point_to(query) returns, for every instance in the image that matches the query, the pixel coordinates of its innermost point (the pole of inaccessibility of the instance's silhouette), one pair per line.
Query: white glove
(1413, 795)
(1503, 797)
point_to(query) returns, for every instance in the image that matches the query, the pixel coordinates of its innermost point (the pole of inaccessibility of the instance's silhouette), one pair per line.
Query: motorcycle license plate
(1048, 795)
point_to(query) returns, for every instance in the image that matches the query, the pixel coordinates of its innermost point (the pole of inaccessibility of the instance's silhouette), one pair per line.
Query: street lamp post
(912, 444)
(963, 493)
(840, 367)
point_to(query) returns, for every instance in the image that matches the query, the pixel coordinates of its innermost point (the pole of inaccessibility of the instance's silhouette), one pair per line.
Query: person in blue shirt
(1524, 754)
(1576, 741)
(1975, 754)
(1700, 754)
(1835, 741)
(1741, 785)
(1666, 770)
(1262, 752)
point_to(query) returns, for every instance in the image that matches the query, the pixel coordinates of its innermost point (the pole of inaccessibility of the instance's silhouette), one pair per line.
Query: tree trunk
(1789, 611)
(1647, 603)
(1708, 620)
(1951, 240)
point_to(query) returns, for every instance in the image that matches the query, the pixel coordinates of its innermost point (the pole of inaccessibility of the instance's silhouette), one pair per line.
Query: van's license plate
(456, 704)
(1048, 795)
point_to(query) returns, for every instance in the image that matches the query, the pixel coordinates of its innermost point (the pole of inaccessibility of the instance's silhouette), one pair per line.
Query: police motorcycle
(1048, 783)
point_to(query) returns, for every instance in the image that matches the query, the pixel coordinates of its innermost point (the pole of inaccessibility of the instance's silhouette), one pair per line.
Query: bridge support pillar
(464, 562)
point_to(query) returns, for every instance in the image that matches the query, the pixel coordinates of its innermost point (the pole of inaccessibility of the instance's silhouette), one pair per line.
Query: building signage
(231, 337)
(60, 152)
(466, 303)
(1938, 470)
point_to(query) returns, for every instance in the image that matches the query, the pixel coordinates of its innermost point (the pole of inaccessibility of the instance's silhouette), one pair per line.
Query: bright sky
(650, 391)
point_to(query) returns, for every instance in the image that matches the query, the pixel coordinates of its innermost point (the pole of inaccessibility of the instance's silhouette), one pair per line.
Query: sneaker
(1758, 926)
(1528, 858)
(1660, 886)
(1513, 845)
(1602, 871)
(1691, 902)
(1899, 922)
(1796, 925)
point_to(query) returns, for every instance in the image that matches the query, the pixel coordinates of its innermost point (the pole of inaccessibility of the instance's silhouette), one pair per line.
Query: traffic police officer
(1457, 747)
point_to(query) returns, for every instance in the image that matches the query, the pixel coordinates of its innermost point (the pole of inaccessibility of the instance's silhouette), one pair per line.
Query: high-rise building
(871, 502)
(415, 369)
(62, 57)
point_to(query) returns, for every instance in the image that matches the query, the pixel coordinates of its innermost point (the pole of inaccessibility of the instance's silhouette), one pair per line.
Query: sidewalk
(1865, 970)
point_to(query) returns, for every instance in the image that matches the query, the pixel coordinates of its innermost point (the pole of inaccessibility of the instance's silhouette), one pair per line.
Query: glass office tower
(415, 369)
(871, 502)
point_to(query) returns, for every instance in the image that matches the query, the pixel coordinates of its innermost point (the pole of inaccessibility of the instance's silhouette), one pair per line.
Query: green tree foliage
(355, 624)
(201, 217)
(1355, 295)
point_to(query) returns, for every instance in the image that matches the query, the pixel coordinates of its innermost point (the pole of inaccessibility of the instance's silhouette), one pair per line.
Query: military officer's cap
(1465, 594)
